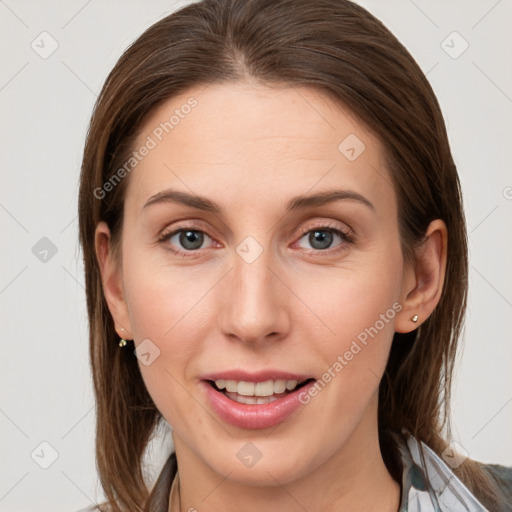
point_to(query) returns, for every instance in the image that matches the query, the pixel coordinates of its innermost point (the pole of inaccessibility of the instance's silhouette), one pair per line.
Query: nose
(255, 301)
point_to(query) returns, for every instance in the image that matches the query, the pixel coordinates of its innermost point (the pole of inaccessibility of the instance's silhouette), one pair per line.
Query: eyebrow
(296, 203)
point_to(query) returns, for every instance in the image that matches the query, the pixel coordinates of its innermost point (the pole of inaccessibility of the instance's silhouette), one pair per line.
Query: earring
(414, 318)
(122, 342)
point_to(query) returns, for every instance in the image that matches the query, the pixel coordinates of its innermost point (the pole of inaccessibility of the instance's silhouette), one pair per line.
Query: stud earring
(122, 341)
(414, 318)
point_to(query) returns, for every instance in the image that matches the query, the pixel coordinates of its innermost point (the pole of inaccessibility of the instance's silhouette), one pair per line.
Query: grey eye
(189, 239)
(321, 239)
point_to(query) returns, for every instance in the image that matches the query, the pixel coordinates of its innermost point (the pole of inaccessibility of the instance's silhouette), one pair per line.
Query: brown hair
(339, 48)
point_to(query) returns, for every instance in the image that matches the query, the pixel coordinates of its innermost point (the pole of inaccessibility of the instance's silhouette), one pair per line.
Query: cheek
(162, 297)
(354, 323)
(359, 349)
(347, 302)
(162, 322)
(169, 311)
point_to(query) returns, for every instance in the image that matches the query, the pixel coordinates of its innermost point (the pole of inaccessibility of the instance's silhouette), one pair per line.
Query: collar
(428, 483)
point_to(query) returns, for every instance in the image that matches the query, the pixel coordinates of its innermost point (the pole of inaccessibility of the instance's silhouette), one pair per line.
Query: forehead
(247, 139)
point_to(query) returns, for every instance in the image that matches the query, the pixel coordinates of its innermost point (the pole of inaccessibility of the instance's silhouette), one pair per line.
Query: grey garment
(428, 484)
(502, 475)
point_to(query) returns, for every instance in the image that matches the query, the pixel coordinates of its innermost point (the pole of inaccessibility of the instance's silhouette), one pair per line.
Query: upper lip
(259, 376)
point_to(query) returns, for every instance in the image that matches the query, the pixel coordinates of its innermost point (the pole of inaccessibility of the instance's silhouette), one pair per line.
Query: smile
(256, 403)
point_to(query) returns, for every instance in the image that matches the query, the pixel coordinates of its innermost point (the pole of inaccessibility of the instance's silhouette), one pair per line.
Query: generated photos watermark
(355, 348)
(150, 143)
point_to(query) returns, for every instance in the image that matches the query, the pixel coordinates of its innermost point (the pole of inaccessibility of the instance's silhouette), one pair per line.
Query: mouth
(257, 393)
(258, 402)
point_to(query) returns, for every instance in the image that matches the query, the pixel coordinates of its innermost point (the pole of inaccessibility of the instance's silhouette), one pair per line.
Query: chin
(262, 463)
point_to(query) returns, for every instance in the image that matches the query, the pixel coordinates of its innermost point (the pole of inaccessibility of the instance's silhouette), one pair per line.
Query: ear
(423, 282)
(112, 281)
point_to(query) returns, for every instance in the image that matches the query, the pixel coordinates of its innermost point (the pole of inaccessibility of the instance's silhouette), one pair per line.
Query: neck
(354, 479)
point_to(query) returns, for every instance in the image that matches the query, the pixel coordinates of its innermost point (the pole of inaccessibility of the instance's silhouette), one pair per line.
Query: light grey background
(45, 108)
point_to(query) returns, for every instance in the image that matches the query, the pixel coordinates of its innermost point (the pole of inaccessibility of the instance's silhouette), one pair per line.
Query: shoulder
(501, 476)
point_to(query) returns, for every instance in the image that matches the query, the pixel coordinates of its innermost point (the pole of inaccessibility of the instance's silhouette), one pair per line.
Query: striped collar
(421, 467)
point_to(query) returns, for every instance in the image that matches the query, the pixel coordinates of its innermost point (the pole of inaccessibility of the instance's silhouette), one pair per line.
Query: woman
(276, 266)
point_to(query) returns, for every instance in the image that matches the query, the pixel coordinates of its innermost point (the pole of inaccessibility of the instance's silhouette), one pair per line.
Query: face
(257, 287)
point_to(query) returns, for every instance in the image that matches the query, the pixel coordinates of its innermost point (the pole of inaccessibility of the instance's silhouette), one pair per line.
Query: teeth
(256, 389)
(263, 388)
(279, 386)
(246, 388)
(291, 384)
(253, 400)
(231, 386)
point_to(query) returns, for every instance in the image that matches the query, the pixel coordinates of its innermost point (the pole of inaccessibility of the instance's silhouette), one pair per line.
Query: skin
(251, 148)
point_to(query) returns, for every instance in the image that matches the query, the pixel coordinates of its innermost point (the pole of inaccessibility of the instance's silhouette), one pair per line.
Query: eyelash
(346, 236)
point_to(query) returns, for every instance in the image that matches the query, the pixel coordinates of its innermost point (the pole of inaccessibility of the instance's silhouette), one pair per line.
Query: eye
(184, 240)
(322, 237)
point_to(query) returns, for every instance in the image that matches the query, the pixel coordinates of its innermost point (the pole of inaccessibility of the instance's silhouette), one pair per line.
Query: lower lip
(255, 416)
